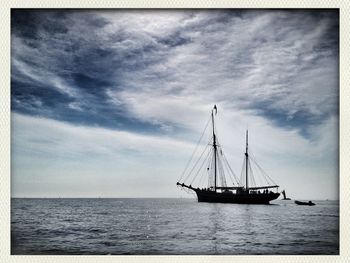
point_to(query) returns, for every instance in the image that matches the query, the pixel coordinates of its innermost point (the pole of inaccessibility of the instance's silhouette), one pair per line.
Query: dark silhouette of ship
(304, 203)
(217, 189)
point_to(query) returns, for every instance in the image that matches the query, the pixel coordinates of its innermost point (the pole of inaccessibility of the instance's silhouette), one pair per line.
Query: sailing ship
(217, 190)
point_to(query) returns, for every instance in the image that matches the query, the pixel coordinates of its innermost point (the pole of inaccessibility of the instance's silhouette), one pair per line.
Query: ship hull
(241, 198)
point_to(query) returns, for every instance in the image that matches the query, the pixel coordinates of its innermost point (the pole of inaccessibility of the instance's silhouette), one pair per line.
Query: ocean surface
(171, 227)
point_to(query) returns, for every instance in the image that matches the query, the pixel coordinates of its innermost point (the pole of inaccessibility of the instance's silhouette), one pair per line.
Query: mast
(246, 163)
(214, 144)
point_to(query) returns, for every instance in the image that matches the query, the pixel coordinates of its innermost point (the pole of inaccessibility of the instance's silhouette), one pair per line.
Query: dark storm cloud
(112, 68)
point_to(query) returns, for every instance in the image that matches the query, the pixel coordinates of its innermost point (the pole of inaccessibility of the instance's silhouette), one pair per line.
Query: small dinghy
(304, 203)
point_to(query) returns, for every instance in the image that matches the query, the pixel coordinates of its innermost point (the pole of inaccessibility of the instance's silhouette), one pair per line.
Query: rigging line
(255, 178)
(221, 172)
(233, 173)
(263, 173)
(201, 180)
(189, 175)
(212, 171)
(205, 159)
(195, 149)
(218, 168)
(222, 168)
(262, 170)
(210, 177)
(258, 176)
(229, 173)
(205, 174)
(205, 149)
(253, 158)
(218, 175)
(251, 173)
(242, 173)
(211, 180)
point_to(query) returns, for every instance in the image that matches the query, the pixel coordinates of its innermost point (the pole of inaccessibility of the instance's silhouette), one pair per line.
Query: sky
(111, 103)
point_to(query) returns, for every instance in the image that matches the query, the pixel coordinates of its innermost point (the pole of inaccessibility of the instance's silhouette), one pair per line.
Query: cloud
(56, 153)
(50, 158)
(46, 136)
(136, 84)
(270, 61)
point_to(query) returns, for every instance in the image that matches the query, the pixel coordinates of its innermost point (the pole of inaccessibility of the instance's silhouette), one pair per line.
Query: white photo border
(344, 125)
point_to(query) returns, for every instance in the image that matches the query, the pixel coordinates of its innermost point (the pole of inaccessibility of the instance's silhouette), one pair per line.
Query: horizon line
(326, 199)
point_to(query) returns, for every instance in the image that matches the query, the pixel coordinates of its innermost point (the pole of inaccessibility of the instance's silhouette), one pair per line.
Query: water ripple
(171, 227)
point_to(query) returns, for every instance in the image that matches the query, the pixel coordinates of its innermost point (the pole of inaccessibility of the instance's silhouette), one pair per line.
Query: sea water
(171, 227)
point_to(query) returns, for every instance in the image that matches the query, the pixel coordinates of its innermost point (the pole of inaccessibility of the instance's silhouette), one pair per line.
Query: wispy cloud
(126, 74)
(48, 153)
(272, 62)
